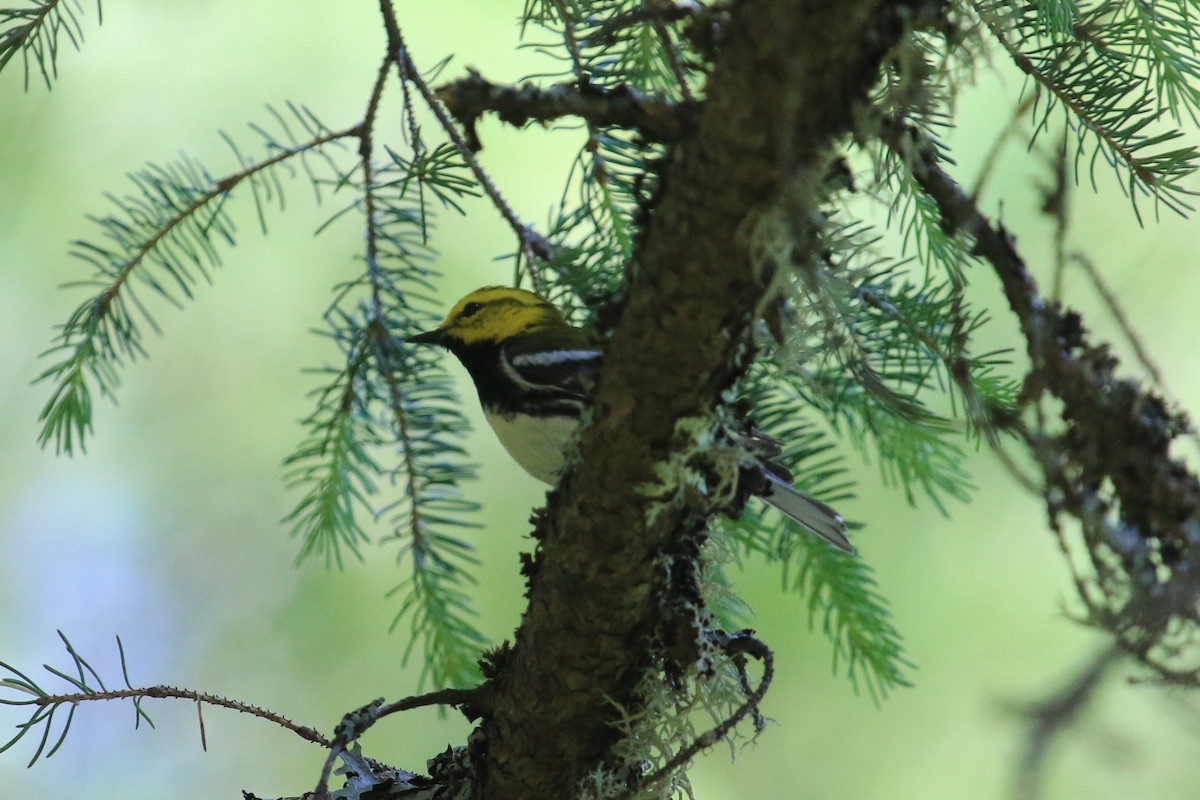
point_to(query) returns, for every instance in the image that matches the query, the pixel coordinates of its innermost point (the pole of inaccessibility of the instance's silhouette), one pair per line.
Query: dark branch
(656, 119)
(1115, 434)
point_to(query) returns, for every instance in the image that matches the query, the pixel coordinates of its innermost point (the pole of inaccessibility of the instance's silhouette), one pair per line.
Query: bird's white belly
(536, 443)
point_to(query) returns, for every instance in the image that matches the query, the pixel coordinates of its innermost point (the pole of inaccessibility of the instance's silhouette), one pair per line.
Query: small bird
(533, 371)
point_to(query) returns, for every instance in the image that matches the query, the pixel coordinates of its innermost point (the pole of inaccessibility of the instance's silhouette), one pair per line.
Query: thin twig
(356, 723)
(664, 33)
(535, 246)
(1056, 203)
(200, 721)
(1052, 715)
(605, 33)
(305, 732)
(992, 159)
(1118, 314)
(377, 331)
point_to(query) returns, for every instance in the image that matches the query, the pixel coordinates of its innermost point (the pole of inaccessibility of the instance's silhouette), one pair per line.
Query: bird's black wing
(569, 367)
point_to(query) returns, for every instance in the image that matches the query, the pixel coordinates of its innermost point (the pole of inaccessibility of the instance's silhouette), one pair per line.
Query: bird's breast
(536, 443)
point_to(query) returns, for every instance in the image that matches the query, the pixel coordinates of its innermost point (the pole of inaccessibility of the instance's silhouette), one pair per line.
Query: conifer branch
(1065, 94)
(219, 189)
(613, 173)
(334, 463)
(171, 221)
(89, 687)
(386, 395)
(1104, 93)
(34, 32)
(377, 334)
(840, 592)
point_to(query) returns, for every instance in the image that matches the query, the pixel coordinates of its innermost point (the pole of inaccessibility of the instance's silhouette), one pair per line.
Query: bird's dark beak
(435, 336)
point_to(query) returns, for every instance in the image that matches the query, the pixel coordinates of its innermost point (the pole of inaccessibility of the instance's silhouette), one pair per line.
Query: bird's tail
(812, 514)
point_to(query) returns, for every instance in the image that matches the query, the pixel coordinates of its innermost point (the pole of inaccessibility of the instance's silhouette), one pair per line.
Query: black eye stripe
(470, 309)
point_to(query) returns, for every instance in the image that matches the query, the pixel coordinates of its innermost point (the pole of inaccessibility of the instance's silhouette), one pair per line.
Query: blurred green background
(167, 532)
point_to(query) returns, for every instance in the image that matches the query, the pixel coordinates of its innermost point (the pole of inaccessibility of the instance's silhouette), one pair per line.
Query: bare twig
(992, 159)
(1053, 714)
(356, 723)
(535, 246)
(1118, 314)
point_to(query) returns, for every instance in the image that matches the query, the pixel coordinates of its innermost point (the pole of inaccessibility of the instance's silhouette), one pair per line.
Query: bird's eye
(470, 309)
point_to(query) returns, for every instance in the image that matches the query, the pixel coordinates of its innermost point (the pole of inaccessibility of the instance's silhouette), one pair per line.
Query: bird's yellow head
(492, 314)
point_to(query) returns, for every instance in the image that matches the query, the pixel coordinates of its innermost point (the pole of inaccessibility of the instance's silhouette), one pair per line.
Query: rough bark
(784, 89)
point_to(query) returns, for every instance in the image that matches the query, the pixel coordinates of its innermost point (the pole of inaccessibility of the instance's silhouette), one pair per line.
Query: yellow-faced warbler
(533, 371)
